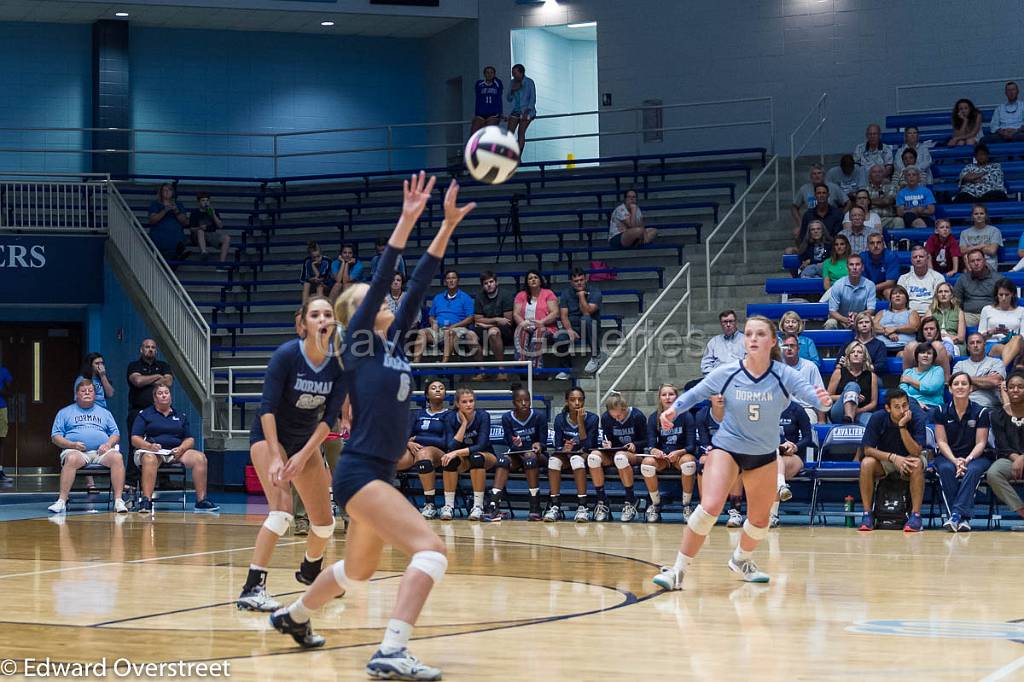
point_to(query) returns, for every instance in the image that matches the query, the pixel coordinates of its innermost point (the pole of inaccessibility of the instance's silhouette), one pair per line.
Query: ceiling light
(327, 23)
(585, 24)
(120, 14)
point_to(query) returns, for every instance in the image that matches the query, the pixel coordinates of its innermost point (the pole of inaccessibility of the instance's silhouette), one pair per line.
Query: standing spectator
(522, 95)
(451, 315)
(316, 273)
(981, 180)
(921, 282)
(925, 382)
(379, 246)
(883, 197)
(626, 227)
(923, 159)
(805, 199)
(828, 214)
(881, 266)
(492, 315)
(873, 152)
(897, 324)
(857, 233)
(5, 393)
(1008, 427)
(850, 295)
(805, 368)
(853, 387)
(206, 226)
(142, 375)
(167, 220)
(961, 438)
(848, 176)
(726, 347)
(986, 373)
(488, 100)
(791, 323)
(1007, 122)
(864, 333)
(949, 316)
(346, 270)
(873, 221)
(981, 235)
(580, 313)
(966, 122)
(94, 370)
(535, 313)
(915, 202)
(906, 159)
(974, 288)
(835, 267)
(944, 249)
(815, 248)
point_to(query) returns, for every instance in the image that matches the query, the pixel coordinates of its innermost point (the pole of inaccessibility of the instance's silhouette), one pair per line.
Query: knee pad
(323, 531)
(278, 522)
(453, 465)
(530, 463)
(648, 470)
(688, 468)
(503, 462)
(432, 563)
(424, 466)
(554, 463)
(577, 462)
(621, 460)
(477, 461)
(701, 522)
(350, 585)
(594, 460)
(754, 532)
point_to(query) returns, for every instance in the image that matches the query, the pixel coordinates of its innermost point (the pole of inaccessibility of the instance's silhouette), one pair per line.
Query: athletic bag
(892, 502)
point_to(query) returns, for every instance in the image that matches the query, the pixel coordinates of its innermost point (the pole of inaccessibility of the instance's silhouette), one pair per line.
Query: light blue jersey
(753, 405)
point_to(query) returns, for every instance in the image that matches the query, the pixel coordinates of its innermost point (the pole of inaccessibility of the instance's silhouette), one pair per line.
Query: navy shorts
(354, 472)
(748, 462)
(291, 444)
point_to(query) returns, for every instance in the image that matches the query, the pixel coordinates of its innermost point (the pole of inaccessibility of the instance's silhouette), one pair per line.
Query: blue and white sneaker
(205, 506)
(145, 506)
(914, 524)
(964, 526)
(952, 524)
(400, 665)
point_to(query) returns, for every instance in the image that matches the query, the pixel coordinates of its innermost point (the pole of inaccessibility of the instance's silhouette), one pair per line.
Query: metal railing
(941, 96)
(820, 108)
(745, 215)
(54, 204)
(643, 324)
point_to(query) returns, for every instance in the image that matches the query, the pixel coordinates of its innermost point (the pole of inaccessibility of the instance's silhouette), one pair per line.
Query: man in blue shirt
(881, 266)
(167, 221)
(346, 270)
(86, 434)
(850, 295)
(451, 315)
(915, 202)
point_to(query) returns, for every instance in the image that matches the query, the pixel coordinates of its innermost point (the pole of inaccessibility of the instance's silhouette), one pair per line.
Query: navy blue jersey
(488, 98)
(632, 429)
(321, 270)
(377, 366)
(705, 426)
(795, 427)
(567, 431)
(168, 431)
(427, 428)
(299, 394)
(680, 437)
(478, 433)
(533, 430)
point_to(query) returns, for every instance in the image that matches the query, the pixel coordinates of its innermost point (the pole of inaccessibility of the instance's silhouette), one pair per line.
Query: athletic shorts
(291, 444)
(91, 456)
(889, 467)
(749, 462)
(355, 472)
(437, 337)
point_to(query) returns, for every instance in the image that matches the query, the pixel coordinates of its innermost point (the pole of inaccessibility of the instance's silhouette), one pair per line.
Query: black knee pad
(424, 466)
(453, 465)
(503, 462)
(477, 461)
(529, 463)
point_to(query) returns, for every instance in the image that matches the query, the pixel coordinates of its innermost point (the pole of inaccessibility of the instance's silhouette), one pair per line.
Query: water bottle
(848, 508)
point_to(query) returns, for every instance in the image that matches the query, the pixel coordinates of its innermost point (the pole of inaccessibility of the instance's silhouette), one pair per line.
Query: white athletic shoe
(687, 510)
(429, 511)
(476, 513)
(552, 514)
(653, 513)
(120, 507)
(58, 507)
(735, 519)
(400, 665)
(447, 513)
(257, 599)
(669, 579)
(628, 513)
(774, 521)
(582, 515)
(749, 571)
(602, 512)
(785, 494)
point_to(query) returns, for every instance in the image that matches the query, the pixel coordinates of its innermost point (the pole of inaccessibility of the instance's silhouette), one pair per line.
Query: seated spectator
(396, 293)
(897, 325)
(379, 247)
(805, 198)
(1002, 322)
(929, 335)
(1007, 122)
(981, 180)
(872, 220)
(975, 288)
(626, 228)
(864, 332)
(915, 202)
(893, 442)
(1020, 254)
(908, 158)
(316, 273)
(981, 235)
(857, 233)
(961, 439)
(944, 249)
(167, 223)
(829, 215)
(815, 248)
(161, 435)
(921, 281)
(522, 99)
(535, 313)
(847, 176)
(853, 387)
(346, 270)
(872, 152)
(726, 347)
(881, 266)
(489, 93)
(966, 122)
(805, 368)
(850, 295)
(579, 310)
(86, 434)
(922, 151)
(925, 382)
(945, 309)
(836, 266)
(883, 197)
(95, 370)
(451, 315)
(492, 315)
(1008, 426)
(791, 323)
(207, 227)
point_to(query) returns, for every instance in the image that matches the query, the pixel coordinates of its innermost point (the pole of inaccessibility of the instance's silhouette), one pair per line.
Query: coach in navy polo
(961, 435)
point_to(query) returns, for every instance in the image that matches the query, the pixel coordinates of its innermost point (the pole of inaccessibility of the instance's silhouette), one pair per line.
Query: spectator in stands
(873, 152)
(805, 368)
(451, 315)
(1003, 321)
(921, 281)
(944, 249)
(346, 270)
(1007, 122)
(1008, 427)
(161, 435)
(981, 180)
(535, 313)
(850, 295)
(864, 332)
(395, 294)
(929, 335)
(945, 308)
(522, 97)
(853, 387)
(975, 288)
(805, 198)
(981, 235)
(915, 202)
(86, 434)
(966, 122)
(726, 347)
(848, 176)
(815, 248)
(207, 227)
(579, 310)
(893, 442)
(167, 220)
(142, 375)
(791, 323)
(883, 197)
(881, 266)
(626, 228)
(836, 266)
(493, 317)
(379, 247)
(489, 93)
(923, 158)
(906, 159)
(316, 273)
(95, 370)
(857, 233)
(897, 325)
(961, 438)
(1020, 254)
(872, 221)
(925, 382)
(831, 216)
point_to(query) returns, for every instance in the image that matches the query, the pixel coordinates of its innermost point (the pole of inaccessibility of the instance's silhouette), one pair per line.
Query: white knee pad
(433, 564)
(576, 462)
(700, 521)
(278, 522)
(555, 463)
(754, 532)
(323, 531)
(350, 585)
(688, 468)
(621, 460)
(648, 470)
(594, 460)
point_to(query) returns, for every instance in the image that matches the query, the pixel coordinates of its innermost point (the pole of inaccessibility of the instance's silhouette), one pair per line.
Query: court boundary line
(1005, 671)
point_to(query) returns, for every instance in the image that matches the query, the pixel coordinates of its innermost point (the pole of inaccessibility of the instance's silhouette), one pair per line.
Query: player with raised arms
(380, 378)
(756, 391)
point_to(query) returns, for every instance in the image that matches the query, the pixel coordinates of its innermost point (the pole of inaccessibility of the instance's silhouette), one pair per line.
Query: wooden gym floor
(530, 601)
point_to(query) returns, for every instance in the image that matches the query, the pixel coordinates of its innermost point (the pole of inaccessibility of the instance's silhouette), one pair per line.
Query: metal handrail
(821, 107)
(741, 203)
(958, 85)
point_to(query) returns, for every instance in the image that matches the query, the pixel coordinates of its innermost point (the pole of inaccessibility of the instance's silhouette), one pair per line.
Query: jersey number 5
(754, 412)
(403, 387)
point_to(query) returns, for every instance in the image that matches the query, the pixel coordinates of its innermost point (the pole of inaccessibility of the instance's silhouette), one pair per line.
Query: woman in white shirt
(872, 223)
(626, 229)
(1001, 322)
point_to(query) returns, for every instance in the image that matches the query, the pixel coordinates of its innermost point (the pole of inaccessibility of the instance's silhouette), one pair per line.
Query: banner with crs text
(51, 269)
